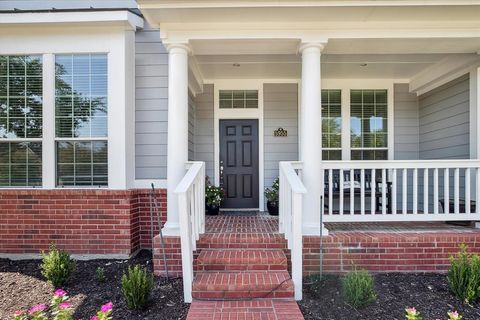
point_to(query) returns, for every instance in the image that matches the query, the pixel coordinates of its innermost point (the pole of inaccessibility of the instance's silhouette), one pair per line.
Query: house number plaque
(280, 132)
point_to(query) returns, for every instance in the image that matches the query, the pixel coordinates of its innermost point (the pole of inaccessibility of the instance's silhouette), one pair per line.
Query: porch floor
(262, 222)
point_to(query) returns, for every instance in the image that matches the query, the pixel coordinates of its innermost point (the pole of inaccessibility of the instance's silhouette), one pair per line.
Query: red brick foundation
(173, 254)
(86, 221)
(386, 252)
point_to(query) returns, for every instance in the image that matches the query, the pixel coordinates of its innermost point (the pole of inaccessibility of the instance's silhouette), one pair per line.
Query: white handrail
(191, 211)
(290, 218)
(400, 190)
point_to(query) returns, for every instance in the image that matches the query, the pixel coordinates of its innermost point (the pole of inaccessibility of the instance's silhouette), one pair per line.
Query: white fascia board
(195, 77)
(170, 4)
(442, 72)
(89, 17)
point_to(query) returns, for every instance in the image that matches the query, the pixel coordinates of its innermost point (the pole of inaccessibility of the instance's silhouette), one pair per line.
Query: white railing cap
(194, 169)
(293, 179)
(401, 164)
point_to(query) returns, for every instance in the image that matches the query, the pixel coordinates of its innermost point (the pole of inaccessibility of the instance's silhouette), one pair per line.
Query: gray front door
(239, 163)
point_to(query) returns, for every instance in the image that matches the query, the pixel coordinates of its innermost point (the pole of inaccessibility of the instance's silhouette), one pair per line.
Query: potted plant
(272, 198)
(213, 198)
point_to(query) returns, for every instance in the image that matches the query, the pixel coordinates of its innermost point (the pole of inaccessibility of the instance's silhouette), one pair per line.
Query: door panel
(239, 163)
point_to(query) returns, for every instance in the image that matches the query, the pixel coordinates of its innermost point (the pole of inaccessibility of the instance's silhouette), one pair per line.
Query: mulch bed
(429, 293)
(22, 286)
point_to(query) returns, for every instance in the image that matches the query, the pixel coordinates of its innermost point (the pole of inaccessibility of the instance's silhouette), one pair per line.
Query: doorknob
(221, 172)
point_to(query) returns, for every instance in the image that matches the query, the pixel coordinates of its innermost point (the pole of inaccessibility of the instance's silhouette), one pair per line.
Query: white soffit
(398, 66)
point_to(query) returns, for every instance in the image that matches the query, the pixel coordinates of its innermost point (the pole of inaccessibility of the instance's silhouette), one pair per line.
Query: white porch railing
(191, 206)
(290, 218)
(414, 190)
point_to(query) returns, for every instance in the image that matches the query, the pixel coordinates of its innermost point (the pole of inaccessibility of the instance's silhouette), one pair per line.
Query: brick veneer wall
(386, 252)
(86, 221)
(173, 254)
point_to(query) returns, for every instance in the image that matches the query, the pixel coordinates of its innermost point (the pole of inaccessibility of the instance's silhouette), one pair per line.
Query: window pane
(81, 95)
(238, 99)
(369, 119)
(82, 163)
(331, 119)
(20, 164)
(21, 91)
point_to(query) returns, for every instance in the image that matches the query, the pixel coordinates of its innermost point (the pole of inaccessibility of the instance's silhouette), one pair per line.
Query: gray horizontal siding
(406, 123)
(151, 105)
(444, 121)
(65, 4)
(280, 110)
(203, 128)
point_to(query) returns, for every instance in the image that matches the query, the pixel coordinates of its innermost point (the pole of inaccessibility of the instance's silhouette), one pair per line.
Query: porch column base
(171, 229)
(314, 230)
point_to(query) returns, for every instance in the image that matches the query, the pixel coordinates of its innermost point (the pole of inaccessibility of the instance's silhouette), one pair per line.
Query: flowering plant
(413, 314)
(60, 309)
(213, 195)
(272, 194)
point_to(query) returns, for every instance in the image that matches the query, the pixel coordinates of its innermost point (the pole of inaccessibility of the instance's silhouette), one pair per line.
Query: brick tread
(240, 285)
(268, 309)
(242, 241)
(244, 259)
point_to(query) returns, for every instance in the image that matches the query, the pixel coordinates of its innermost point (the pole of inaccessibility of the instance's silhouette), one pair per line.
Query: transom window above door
(238, 99)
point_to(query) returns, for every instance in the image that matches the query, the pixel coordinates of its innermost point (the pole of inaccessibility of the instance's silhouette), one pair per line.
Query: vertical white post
(297, 244)
(48, 113)
(394, 191)
(177, 150)
(415, 191)
(404, 191)
(330, 192)
(456, 190)
(187, 253)
(446, 191)
(384, 191)
(435, 191)
(311, 128)
(352, 192)
(467, 190)
(362, 191)
(425, 191)
(373, 198)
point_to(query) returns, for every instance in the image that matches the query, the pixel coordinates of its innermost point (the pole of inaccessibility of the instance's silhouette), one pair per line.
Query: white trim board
(221, 114)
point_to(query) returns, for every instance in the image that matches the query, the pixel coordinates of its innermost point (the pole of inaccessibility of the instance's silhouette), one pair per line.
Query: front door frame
(240, 114)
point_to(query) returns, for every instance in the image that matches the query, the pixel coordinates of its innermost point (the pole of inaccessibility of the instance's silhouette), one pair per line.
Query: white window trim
(118, 42)
(221, 114)
(368, 84)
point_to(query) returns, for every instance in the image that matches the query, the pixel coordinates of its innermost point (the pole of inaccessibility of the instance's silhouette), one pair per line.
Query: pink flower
(19, 313)
(60, 293)
(411, 311)
(106, 307)
(64, 305)
(454, 315)
(37, 308)
(94, 318)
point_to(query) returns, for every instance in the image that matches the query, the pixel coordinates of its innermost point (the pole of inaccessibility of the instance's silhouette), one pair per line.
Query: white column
(48, 143)
(177, 129)
(310, 137)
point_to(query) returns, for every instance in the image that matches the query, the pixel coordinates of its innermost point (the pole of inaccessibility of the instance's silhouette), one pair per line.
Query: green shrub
(358, 290)
(57, 266)
(464, 275)
(136, 287)
(100, 272)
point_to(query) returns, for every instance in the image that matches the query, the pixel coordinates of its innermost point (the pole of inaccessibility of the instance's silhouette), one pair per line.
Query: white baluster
(352, 192)
(467, 190)
(384, 191)
(362, 191)
(330, 192)
(340, 205)
(446, 190)
(456, 189)
(477, 199)
(425, 191)
(373, 186)
(404, 191)
(415, 191)
(435, 191)
(394, 191)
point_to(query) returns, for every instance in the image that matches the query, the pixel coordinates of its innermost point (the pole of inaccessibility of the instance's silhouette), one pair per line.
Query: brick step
(242, 285)
(241, 260)
(271, 309)
(242, 240)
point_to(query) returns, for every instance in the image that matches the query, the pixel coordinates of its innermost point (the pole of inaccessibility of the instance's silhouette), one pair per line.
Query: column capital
(178, 48)
(308, 45)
